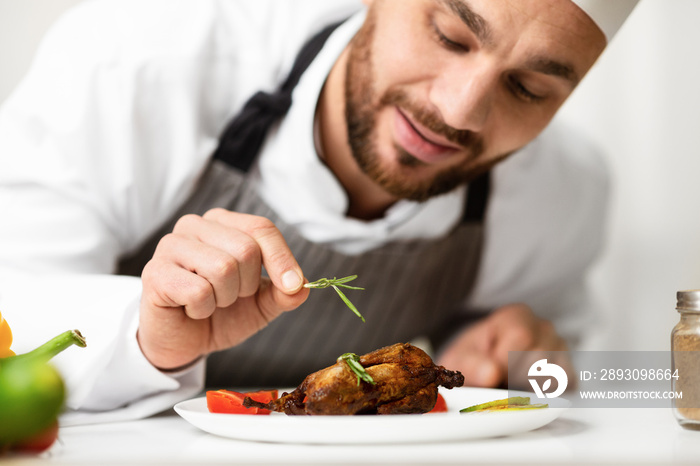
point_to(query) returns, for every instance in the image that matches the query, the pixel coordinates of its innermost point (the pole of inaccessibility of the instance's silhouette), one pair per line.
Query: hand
(481, 351)
(203, 290)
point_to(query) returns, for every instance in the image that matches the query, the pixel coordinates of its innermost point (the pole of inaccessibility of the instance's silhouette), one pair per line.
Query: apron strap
(477, 199)
(243, 137)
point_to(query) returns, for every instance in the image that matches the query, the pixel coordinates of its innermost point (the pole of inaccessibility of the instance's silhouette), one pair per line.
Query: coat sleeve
(107, 133)
(97, 144)
(101, 143)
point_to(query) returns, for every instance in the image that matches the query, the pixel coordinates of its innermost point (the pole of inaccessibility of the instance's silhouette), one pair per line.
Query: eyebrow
(472, 19)
(554, 68)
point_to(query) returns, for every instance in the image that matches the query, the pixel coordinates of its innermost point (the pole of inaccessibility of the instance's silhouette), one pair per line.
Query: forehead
(539, 27)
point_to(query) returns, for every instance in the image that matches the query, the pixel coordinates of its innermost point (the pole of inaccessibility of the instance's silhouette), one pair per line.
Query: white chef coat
(116, 119)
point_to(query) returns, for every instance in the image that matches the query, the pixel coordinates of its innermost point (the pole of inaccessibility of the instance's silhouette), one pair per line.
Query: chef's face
(438, 91)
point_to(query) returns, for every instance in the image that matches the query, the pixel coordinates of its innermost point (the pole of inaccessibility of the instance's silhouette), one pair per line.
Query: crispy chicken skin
(406, 382)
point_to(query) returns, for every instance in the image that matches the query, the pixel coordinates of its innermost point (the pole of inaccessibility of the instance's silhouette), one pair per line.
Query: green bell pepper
(32, 392)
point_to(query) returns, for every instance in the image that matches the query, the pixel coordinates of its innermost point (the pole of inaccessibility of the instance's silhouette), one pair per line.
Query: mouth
(419, 141)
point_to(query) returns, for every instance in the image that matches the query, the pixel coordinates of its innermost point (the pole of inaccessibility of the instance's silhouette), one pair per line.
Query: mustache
(464, 138)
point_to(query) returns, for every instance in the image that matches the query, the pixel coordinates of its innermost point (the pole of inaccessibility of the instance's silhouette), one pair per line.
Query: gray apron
(414, 288)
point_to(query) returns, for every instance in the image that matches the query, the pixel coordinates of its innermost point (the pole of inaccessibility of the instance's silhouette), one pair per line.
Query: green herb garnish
(335, 283)
(353, 362)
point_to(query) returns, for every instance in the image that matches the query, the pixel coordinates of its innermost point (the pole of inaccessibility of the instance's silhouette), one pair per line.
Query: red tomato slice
(230, 402)
(263, 396)
(440, 405)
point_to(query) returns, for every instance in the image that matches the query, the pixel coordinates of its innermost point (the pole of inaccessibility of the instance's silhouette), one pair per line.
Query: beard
(362, 105)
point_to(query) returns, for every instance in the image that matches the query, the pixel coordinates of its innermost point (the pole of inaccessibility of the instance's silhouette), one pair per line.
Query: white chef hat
(607, 14)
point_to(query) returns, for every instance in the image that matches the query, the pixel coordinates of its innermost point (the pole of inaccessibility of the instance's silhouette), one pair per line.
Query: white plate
(408, 428)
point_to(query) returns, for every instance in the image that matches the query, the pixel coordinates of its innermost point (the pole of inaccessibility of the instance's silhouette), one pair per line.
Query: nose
(464, 96)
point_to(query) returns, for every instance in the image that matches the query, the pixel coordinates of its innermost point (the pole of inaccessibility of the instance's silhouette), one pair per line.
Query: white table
(580, 436)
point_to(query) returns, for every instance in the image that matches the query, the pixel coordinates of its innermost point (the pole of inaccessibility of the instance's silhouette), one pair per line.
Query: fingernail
(291, 280)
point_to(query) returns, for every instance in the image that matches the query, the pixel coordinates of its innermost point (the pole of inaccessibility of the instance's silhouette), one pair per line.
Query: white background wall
(641, 103)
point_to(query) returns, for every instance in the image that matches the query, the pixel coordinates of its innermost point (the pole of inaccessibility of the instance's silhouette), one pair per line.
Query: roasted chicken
(405, 380)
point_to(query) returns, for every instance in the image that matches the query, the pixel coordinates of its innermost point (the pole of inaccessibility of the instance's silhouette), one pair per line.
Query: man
(381, 167)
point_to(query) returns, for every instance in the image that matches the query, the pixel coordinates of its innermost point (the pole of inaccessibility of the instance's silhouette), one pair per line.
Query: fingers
(472, 354)
(174, 303)
(281, 266)
(227, 257)
(233, 248)
(478, 368)
(220, 258)
(165, 285)
(481, 352)
(519, 329)
(203, 289)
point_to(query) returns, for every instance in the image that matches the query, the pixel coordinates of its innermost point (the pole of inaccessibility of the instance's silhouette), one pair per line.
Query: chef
(172, 173)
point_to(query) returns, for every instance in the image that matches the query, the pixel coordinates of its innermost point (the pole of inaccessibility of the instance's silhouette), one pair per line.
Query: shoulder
(213, 53)
(560, 183)
(547, 215)
(562, 161)
(140, 30)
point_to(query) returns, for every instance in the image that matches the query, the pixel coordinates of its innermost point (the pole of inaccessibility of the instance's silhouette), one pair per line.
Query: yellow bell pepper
(5, 338)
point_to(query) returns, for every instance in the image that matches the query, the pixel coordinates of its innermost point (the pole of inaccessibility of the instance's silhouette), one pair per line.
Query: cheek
(513, 128)
(401, 55)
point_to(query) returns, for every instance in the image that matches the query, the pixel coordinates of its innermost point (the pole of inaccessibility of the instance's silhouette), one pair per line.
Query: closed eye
(522, 92)
(448, 43)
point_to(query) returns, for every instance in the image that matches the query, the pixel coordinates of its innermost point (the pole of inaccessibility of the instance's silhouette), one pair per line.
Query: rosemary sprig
(353, 362)
(335, 283)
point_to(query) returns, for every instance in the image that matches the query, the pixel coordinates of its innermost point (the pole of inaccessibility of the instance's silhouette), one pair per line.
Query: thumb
(271, 301)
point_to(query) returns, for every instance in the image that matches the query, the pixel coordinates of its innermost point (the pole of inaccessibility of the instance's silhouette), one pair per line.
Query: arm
(100, 144)
(85, 175)
(480, 351)
(545, 226)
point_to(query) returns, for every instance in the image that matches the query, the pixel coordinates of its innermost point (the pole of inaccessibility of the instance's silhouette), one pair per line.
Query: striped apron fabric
(413, 288)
